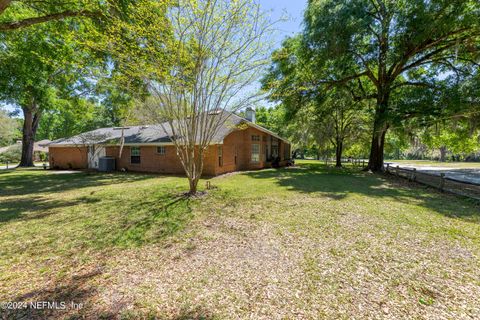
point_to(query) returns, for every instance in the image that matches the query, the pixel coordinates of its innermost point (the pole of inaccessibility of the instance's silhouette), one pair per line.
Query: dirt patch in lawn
(315, 243)
(251, 269)
(234, 267)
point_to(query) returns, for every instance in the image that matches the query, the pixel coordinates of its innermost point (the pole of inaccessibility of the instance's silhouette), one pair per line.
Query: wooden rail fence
(438, 181)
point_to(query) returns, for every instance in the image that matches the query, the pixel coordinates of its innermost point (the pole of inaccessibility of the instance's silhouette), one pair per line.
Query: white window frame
(163, 150)
(135, 155)
(257, 153)
(220, 155)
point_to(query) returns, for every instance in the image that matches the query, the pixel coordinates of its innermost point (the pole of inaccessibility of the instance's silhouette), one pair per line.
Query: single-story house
(240, 144)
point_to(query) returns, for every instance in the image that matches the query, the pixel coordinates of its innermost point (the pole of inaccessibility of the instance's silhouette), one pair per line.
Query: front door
(94, 154)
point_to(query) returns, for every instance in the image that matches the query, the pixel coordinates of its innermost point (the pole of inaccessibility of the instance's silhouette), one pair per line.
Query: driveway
(11, 166)
(2, 167)
(461, 174)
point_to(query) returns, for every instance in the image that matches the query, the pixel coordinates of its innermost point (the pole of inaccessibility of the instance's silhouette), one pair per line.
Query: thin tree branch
(4, 5)
(8, 26)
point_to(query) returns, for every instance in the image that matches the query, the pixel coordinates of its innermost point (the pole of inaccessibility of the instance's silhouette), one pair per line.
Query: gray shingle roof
(151, 134)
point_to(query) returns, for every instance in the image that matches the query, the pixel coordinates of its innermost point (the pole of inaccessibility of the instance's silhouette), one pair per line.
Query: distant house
(39, 148)
(240, 144)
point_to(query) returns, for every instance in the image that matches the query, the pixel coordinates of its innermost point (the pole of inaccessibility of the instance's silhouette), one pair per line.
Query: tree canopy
(380, 47)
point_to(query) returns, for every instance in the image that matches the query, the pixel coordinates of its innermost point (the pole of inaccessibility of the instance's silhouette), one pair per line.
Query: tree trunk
(193, 186)
(380, 127)
(375, 161)
(338, 153)
(443, 154)
(195, 165)
(30, 125)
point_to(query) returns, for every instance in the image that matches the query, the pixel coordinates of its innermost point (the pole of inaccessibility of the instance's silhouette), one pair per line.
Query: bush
(43, 156)
(12, 154)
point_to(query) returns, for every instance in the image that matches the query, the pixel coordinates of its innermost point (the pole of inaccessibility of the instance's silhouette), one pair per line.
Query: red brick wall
(68, 157)
(237, 143)
(151, 161)
(240, 143)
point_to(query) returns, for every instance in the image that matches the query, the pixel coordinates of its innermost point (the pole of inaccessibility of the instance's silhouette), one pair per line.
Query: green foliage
(69, 73)
(8, 129)
(380, 48)
(272, 119)
(12, 154)
(37, 64)
(396, 144)
(321, 118)
(68, 117)
(458, 138)
(18, 14)
(137, 38)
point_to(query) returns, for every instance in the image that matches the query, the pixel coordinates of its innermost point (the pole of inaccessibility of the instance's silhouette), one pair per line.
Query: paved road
(11, 166)
(5, 167)
(468, 175)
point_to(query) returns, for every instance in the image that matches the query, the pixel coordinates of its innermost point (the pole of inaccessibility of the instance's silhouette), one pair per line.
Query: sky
(293, 9)
(290, 14)
(277, 9)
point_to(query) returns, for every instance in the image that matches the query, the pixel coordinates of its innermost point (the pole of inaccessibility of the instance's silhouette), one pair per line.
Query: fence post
(396, 171)
(363, 163)
(442, 181)
(7, 164)
(414, 174)
(388, 167)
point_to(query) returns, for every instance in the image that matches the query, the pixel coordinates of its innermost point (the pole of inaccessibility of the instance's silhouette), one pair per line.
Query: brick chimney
(250, 114)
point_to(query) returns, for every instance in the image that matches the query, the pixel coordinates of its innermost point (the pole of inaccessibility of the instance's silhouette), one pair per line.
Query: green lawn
(306, 242)
(459, 165)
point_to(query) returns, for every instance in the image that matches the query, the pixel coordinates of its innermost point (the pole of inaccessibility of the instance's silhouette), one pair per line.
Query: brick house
(240, 144)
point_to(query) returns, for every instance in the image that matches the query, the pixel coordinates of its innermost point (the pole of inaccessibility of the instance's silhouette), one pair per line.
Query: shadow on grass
(34, 181)
(64, 298)
(100, 219)
(150, 221)
(130, 225)
(339, 183)
(77, 298)
(35, 207)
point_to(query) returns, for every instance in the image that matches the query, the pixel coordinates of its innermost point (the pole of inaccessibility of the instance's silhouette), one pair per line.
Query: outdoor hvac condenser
(106, 164)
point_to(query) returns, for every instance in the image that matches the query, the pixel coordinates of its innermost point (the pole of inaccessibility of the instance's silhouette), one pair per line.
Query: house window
(255, 138)
(255, 152)
(220, 156)
(161, 150)
(274, 152)
(135, 155)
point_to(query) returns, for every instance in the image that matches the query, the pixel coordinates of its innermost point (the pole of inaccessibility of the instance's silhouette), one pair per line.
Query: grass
(457, 165)
(306, 242)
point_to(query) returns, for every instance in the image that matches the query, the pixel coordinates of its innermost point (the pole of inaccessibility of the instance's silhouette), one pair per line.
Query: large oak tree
(57, 59)
(37, 66)
(390, 44)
